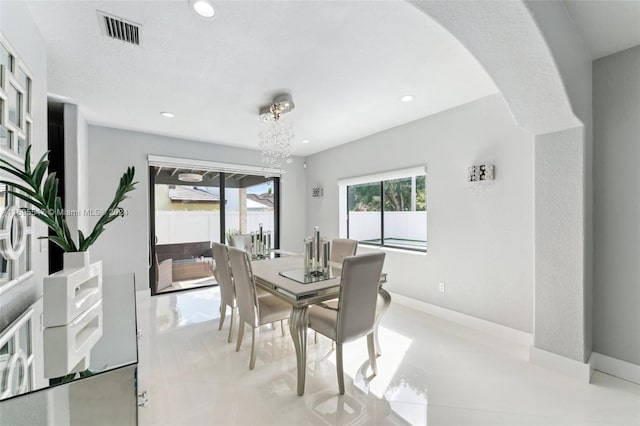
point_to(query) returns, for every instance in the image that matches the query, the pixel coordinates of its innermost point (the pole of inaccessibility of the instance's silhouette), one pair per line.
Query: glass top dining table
(300, 296)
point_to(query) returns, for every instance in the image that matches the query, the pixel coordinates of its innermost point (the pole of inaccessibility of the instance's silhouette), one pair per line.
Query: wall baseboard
(143, 294)
(569, 367)
(615, 367)
(478, 324)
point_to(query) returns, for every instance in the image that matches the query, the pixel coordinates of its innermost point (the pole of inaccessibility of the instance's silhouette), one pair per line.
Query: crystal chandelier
(276, 133)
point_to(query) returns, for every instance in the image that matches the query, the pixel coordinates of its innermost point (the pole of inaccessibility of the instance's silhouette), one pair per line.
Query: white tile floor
(188, 284)
(431, 372)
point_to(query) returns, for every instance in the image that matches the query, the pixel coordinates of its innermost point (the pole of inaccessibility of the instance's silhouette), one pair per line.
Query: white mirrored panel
(78, 403)
(5, 60)
(15, 105)
(4, 263)
(116, 347)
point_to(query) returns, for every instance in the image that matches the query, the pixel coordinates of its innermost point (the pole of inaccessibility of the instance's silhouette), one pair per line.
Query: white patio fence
(192, 226)
(400, 225)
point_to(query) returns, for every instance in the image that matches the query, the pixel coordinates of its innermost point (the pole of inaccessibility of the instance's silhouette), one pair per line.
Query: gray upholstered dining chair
(241, 241)
(341, 248)
(224, 276)
(355, 315)
(254, 310)
(225, 283)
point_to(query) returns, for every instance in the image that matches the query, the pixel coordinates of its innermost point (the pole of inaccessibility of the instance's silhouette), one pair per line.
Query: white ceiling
(346, 64)
(607, 26)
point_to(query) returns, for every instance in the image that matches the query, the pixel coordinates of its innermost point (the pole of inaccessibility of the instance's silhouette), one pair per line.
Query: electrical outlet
(442, 287)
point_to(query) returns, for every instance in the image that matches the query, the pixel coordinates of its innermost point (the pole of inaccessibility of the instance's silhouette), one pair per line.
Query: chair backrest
(223, 274)
(241, 241)
(358, 296)
(245, 286)
(341, 248)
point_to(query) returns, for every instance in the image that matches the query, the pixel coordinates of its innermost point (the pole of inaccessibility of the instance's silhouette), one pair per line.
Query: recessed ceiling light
(407, 98)
(305, 141)
(167, 114)
(203, 8)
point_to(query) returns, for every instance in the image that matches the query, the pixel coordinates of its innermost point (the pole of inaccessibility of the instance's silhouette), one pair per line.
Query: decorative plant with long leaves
(45, 204)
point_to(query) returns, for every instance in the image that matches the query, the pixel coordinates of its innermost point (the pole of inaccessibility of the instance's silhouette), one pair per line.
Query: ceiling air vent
(120, 29)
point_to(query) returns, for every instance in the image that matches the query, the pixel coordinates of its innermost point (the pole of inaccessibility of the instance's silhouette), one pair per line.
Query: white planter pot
(68, 293)
(72, 310)
(68, 347)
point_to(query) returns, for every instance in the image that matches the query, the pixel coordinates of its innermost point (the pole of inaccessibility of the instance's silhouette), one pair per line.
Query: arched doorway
(544, 74)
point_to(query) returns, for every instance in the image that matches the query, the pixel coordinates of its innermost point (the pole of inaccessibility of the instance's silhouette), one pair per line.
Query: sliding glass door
(187, 212)
(249, 203)
(191, 208)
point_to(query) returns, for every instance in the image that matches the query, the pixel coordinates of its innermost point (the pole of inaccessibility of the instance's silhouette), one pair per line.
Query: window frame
(380, 178)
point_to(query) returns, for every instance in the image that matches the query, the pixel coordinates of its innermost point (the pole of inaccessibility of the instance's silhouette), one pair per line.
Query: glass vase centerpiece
(316, 254)
(260, 243)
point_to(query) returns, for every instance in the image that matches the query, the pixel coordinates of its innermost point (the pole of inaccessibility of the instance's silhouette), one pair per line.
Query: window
(365, 213)
(249, 203)
(390, 211)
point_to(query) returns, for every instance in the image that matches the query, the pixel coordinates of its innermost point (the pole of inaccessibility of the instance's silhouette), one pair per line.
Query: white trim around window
(390, 175)
(174, 162)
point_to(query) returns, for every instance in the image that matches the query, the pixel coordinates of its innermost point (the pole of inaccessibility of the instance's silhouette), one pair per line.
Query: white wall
(480, 236)
(560, 278)
(616, 98)
(124, 245)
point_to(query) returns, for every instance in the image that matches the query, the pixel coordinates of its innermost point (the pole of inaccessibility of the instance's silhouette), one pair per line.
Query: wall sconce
(317, 192)
(480, 173)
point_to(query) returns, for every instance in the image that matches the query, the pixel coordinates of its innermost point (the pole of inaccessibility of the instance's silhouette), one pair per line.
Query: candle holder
(260, 243)
(308, 255)
(316, 254)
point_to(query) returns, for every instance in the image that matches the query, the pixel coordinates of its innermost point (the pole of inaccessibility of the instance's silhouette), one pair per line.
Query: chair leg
(376, 339)
(240, 333)
(233, 315)
(339, 368)
(223, 313)
(255, 335)
(282, 326)
(372, 352)
(315, 337)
